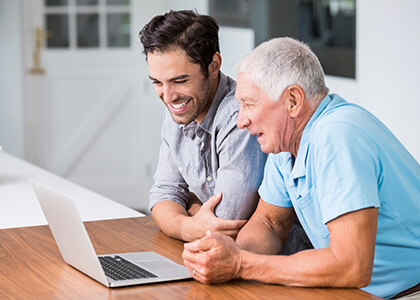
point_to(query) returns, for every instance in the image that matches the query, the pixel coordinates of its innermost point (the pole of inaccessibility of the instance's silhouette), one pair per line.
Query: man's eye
(180, 81)
(154, 82)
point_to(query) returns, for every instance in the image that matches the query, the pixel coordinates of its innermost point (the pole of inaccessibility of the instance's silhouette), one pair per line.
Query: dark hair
(196, 34)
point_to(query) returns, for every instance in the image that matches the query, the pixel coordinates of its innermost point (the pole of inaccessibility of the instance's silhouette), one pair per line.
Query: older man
(352, 185)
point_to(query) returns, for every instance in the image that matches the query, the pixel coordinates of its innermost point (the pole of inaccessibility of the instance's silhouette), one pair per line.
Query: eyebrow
(245, 99)
(182, 76)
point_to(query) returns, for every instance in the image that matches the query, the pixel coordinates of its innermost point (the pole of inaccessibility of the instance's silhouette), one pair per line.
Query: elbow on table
(359, 278)
(363, 281)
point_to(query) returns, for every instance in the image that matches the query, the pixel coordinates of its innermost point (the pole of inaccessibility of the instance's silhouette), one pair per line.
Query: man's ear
(295, 100)
(215, 65)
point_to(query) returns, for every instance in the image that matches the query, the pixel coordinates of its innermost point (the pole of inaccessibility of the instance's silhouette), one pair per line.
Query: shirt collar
(299, 168)
(222, 90)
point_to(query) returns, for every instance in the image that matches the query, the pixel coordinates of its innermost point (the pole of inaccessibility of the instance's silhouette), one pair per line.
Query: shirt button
(209, 178)
(180, 169)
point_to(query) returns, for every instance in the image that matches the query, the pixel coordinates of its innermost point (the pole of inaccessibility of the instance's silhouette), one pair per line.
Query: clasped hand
(205, 219)
(213, 258)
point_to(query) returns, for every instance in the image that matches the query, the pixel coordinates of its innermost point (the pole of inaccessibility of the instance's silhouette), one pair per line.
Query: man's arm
(174, 220)
(347, 262)
(194, 205)
(267, 230)
(241, 167)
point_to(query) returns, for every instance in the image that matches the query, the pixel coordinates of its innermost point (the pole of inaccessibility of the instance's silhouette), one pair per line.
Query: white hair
(281, 62)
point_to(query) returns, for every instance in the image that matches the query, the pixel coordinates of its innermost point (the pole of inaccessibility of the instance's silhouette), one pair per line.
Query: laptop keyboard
(119, 268)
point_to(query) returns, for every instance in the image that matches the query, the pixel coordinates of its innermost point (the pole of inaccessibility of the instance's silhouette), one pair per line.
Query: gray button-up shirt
(210, 157)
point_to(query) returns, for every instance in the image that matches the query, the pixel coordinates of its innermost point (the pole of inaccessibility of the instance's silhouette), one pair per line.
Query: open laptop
(77, 250)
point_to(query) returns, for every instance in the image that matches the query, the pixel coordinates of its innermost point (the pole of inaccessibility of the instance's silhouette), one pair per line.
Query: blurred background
(75, 97)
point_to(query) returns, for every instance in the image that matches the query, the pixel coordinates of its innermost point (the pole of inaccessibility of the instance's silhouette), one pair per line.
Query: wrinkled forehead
(245, 88)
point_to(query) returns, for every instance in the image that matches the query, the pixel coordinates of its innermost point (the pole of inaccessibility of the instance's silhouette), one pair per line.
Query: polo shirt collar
(299, 169)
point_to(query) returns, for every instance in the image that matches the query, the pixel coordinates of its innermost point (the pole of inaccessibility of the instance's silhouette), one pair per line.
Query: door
(92, 113)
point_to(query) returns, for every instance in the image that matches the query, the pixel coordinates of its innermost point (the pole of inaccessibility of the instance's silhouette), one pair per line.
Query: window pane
(329, 27)
(117, 2)
(87, 30)
(232, 13)
(58, 25)
(118, 30)
(55, 2)
(86, 2)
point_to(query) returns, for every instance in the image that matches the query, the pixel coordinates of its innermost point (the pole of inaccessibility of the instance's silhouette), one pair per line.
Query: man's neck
(301, 122)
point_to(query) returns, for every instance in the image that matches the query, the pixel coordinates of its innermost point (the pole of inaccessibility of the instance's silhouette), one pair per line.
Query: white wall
(387, 68)
(387, 56)
(11, 78)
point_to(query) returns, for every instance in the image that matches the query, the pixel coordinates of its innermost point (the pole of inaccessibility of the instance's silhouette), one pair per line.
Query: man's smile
(179, 107)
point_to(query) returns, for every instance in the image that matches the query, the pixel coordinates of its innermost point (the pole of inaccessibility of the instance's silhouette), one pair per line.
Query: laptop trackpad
(157, 264)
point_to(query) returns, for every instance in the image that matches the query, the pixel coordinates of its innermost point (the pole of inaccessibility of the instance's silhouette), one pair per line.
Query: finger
(223, 239)
(199, 277)
(203, 244)
(197, 271)
(231, 233)
(230, 224)
(213, 201)
(192, 259)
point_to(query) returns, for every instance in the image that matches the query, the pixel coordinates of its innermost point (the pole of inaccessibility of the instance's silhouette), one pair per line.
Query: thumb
(213, 201)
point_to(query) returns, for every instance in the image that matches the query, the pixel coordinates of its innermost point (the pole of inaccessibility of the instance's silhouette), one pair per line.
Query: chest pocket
(308, 205)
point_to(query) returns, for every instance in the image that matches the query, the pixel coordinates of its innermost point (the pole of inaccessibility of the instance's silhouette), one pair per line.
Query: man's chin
(267, 149)
(181, 120)
(263, 149)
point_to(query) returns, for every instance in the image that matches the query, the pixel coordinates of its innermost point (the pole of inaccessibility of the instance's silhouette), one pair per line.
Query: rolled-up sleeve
(169, 184)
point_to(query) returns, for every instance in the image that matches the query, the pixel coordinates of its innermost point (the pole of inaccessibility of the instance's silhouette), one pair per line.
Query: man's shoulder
(229, 106)
(344, 114)
(229, 103)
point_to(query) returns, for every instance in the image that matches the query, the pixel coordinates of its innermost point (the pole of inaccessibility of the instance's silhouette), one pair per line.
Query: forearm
(310, 268)
(216, 258)
(174, 220)
(347, 262)
(266, 231)
(258, 237)
(194, 205)
(171, 218)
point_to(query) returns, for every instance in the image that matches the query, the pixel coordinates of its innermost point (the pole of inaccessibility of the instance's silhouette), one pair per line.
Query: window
(84, 24)
(327, 26)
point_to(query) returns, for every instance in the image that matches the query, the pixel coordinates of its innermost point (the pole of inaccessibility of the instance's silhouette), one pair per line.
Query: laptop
(112, 270)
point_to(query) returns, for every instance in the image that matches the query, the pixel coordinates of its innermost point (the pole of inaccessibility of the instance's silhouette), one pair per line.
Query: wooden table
(31, 267)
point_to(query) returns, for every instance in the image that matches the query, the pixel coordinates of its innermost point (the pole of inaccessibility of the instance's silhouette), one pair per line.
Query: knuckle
(205, 261)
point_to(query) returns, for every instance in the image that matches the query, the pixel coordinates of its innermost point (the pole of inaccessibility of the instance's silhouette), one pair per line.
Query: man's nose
(168, 94)
(243, 120)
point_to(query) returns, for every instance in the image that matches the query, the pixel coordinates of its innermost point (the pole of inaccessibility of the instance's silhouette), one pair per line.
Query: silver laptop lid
(69, 231)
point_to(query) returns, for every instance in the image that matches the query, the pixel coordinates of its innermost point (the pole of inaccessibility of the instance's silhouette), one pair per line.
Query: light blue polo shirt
(348, 160)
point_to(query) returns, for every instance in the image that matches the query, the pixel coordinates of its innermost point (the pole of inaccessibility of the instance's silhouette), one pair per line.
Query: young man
(353, 186)
(209, 170)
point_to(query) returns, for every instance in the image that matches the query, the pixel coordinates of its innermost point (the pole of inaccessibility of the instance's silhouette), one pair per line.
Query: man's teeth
(181, 105)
